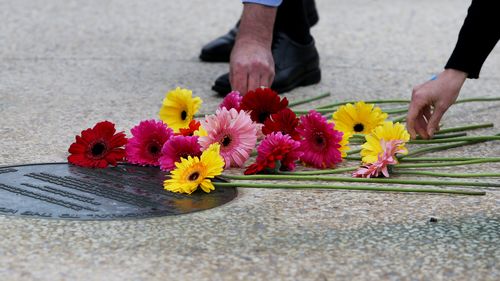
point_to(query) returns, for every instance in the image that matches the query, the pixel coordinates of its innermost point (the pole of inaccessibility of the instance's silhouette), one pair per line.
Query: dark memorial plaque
(64, 191)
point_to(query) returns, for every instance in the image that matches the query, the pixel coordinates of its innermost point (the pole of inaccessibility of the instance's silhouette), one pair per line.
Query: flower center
(358, 128)
(194, 176)
(98, 149)
(184, 115)
(226, 140)
(319, 139)
(154, 148)
(263, 116)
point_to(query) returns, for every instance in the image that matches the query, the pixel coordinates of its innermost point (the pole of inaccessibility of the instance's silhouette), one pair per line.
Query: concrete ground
(66, 64)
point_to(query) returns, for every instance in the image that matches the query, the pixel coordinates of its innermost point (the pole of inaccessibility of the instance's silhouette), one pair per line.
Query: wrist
(257, 24)
(454, 74)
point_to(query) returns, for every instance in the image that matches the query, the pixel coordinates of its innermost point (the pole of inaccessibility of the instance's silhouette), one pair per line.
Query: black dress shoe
(219, 49)
(295, 65)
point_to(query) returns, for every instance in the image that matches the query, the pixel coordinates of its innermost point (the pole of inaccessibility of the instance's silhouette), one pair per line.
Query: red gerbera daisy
(262, 103)
(276, 148)
(193, 127)
(98, 147)
(284, 121)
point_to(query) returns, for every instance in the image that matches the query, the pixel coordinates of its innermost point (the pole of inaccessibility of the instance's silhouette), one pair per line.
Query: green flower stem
(365, 180)
(442, 136)
(354, 151)
(456, 139)
(322, 111)
(405, 101)
(362, 136)
(321, 172)
(446, 164)
(449, 163)
(339, 187)
(477, 99)
(464, 128)
(448, 175)
(396, 110)
(368, 101)
(452, 159)
(399, 119)
(308, 100)
(356, 158)
(445, 136)
(440, 147)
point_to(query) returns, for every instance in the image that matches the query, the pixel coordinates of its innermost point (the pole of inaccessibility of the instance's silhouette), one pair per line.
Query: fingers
(411, 120)
(421, 127)
(268, 77)
(419, 113)
(433, 125)
(427, 112)
(414, 117)
(254, 81)
(244, 79)
(239, 79)
(421, 122)
(251, 66)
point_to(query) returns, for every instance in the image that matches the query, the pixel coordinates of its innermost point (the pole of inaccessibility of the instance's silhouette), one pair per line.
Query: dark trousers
(295, 18)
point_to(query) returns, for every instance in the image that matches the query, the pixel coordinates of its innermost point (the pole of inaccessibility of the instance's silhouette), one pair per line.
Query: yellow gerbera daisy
(201, 132)
(344, 144)
(388, 131)
(360, 118)
(179, 108)
(195, 172)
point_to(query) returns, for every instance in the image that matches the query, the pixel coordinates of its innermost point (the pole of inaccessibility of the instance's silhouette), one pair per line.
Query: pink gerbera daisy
(232, 100)
(234, 131)
(320, 141)
(144, 148)
(276, 148)
(388, 157)
(178, 147)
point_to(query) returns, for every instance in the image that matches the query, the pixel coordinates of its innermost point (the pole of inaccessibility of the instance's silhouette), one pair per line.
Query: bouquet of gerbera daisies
(263, 124)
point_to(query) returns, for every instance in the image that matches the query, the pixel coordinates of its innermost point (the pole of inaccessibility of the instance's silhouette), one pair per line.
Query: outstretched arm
(478, 36)
(430, 100)
(252, 64)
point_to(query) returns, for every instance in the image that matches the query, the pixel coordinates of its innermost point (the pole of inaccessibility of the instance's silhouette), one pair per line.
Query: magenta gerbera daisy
(144, 148)
(232, 100)
(320, 141)
(234, 131)
(276, 148)
(178, 147)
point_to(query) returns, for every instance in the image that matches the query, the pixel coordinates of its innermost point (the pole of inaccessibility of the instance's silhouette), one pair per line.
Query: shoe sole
(310, 78)
(212, 58)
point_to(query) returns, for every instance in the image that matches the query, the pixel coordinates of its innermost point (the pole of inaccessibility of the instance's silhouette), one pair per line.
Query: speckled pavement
(66, 64)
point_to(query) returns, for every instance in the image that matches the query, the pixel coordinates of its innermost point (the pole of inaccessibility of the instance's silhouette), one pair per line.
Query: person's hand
(251, 66)
(430, 100)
